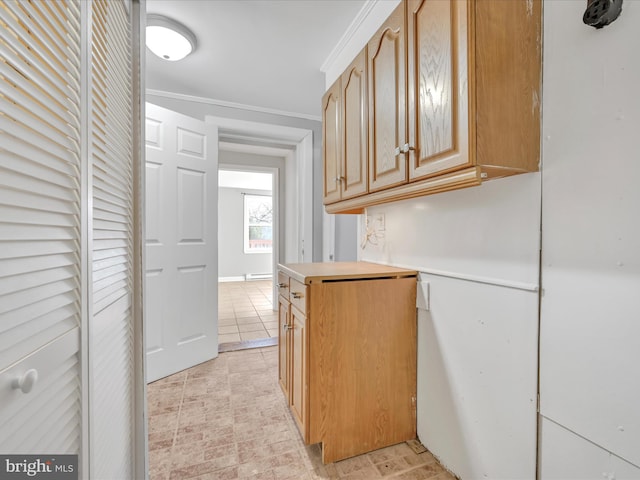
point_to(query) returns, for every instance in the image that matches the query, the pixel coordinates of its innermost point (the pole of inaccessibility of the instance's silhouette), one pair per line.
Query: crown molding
(222, 103)
(346, 38)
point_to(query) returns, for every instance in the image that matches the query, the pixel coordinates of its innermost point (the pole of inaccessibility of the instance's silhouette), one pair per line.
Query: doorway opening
(286, 153)
(248, 213)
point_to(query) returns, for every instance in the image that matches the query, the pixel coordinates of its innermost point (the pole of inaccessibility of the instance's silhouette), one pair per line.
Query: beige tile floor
(245, 311)
(228, 419)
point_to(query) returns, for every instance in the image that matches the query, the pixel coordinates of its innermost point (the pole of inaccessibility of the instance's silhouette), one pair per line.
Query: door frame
(254, 137)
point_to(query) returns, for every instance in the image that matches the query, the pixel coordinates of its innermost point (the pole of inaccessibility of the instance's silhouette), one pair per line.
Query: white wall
(590, 328)
(276, 166)
(346, 230)
(477, 343)
(232, 260)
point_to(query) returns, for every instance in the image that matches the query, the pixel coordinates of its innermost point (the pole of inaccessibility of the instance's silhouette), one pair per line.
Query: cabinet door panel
(354, 118)
(438, 86)
(331, 143)
(298, 369)
(387, 103)
(283, 346)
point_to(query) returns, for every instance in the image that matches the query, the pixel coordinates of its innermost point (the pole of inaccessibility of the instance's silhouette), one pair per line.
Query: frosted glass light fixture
(169, 39)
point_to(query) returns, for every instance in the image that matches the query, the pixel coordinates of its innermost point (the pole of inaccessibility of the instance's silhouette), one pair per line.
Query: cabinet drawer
(298, 295)
(283, 285)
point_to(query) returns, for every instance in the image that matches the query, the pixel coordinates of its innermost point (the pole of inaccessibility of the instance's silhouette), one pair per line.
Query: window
(258, 223)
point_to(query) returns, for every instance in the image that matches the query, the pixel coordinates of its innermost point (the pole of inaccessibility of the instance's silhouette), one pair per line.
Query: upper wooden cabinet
(454, 98)
(332, 143)
(387, 103)
(345, 133)
(439, 127)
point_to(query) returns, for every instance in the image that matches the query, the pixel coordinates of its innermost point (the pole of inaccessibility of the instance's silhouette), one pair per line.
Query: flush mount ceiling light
(169, 39)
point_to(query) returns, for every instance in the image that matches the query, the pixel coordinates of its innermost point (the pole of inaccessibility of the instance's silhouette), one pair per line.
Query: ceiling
(265, 54)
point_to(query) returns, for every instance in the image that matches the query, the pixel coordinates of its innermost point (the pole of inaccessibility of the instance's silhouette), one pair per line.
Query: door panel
(155, 310)
(181, 245)
(387, 103)
(298, 368)
(438, 87)
(42, 228)
(355, 126)
(111, 332)
(153, 219)
(191, 303)
(191, 143)
(191, 206)
(331, 143)
(284, 346)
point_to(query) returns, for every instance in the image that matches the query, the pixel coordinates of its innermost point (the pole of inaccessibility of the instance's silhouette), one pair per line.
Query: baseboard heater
(257, 276)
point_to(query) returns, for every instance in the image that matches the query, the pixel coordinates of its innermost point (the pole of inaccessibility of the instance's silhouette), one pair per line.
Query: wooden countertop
(321, 271)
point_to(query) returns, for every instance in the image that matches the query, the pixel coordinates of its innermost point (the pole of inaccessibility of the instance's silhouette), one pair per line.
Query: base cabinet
(348, 351)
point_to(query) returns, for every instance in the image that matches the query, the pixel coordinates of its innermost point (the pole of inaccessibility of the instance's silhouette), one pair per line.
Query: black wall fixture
(600, 13)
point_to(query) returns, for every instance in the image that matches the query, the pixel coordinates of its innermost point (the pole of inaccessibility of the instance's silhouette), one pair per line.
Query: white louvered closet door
(111, 320)
(40, 226)
(67, 234)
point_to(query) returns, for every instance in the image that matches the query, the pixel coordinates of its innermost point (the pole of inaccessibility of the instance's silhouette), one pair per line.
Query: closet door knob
(26, 382)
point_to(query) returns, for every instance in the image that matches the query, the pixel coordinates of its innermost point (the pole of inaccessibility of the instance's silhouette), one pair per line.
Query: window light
(169, 39)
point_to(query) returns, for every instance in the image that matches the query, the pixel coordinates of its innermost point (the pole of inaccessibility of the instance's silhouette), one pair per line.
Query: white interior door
(40, 230)
(181, 242)
(69, 278)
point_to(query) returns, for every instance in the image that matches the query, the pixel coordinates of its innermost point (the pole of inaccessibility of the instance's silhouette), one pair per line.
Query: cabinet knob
(406, 148)
(26, 382)
(296, 294)
(286, 327)
(281, 285)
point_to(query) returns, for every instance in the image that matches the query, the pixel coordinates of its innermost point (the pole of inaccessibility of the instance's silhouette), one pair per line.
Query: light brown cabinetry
(387, 103)
(292, 346)
(284, 308)
(332, 143)
(350, 355)
(299, 386)
(463, 108)
(439, 127)
(344, 112)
